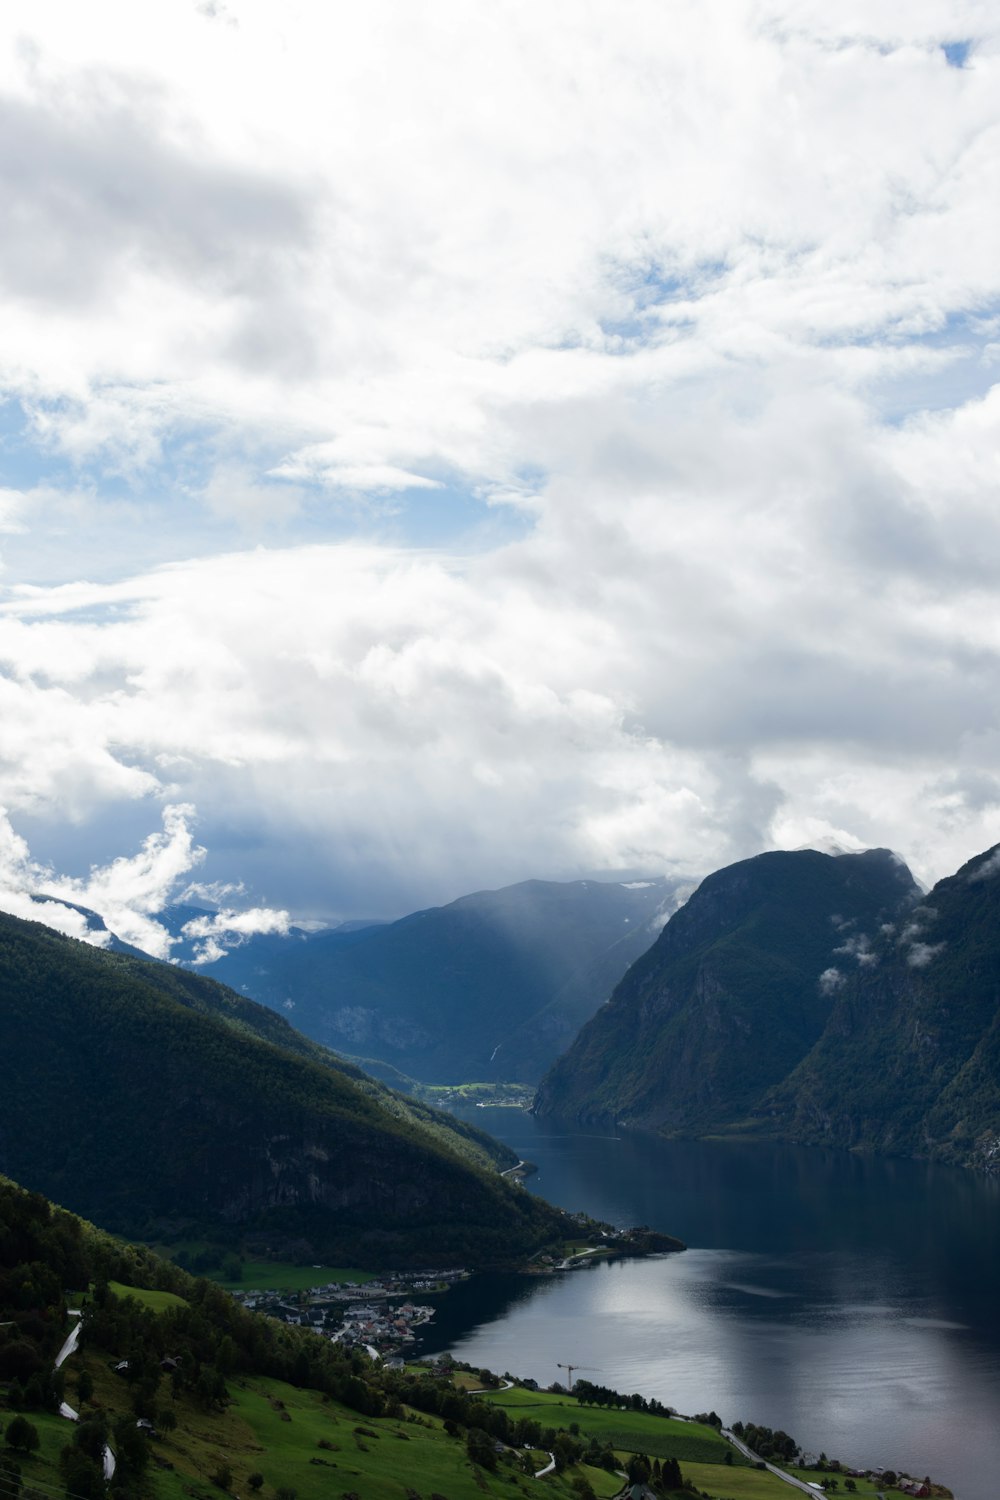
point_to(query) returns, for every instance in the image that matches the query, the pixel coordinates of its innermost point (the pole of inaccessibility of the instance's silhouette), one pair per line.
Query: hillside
(493, 986)
(730, 997)
(231, 1400)
(155, 1101)
(909, 1061)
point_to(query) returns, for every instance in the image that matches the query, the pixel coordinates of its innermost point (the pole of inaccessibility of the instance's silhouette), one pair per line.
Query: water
(853, 1302)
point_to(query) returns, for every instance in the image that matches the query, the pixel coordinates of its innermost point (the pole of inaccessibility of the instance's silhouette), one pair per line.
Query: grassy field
(627, 1431)
(755, 1484)
(277, 1430)
(296, 1439)
(282, 1276)
(263, 1275)
(156, 1300)
(865, 1488)
(738, 1483)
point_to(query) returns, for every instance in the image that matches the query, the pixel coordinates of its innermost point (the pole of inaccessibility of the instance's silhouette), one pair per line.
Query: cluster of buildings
(379, 1316)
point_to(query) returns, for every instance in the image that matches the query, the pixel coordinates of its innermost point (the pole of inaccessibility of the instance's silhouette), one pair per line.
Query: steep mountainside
(731, 996)
(909, 1061)
(491, 987)
(147, 1097)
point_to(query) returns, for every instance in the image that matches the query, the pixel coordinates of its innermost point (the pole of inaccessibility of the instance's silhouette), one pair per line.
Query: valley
(342, 1208)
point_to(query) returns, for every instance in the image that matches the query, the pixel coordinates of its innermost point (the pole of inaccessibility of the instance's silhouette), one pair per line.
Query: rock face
(735, 993)
(142, 1096)
(909, 1061)
(493, 986)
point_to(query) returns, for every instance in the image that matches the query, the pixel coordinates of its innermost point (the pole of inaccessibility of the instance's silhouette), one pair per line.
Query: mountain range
(493, 986)
(819, 998)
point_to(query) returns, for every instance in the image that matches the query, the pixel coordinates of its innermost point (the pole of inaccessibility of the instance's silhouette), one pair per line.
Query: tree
(670, 1474)
(479, 1447)
(255, 1481)
(638, 1469)
(21, 1435)
(84, 1478)
(85, 1386)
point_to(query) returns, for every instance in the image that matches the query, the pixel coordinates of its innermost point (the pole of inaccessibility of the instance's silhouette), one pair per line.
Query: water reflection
(852, 1301)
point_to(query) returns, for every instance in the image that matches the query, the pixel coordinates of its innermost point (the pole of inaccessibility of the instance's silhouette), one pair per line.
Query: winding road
(69, 1347)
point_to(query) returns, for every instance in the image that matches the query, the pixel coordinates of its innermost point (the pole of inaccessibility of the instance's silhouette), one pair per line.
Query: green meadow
(156, 1300)
(626, 1431)
(282, 1276)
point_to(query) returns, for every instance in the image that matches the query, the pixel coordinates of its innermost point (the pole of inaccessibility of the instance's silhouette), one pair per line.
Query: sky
(442, 445)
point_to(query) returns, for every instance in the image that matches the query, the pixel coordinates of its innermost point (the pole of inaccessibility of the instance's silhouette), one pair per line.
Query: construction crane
(570, 1368)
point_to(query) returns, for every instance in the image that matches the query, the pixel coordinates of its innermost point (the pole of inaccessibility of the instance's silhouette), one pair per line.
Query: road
(799, 1484)
(65, 1410)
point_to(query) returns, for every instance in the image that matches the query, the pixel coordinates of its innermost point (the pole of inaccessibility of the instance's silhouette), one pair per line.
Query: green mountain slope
(150, 1100)
(493, 986)
(730, 998)
(909, 1061)
(232, 1401)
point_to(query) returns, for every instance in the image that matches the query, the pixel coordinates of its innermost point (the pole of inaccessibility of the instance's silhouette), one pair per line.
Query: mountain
(492, 986)
(153, 1100)
(247, 965)
(734, 993)
(909, 1061)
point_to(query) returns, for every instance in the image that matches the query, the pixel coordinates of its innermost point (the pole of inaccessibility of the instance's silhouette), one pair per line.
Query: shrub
(21, 1435)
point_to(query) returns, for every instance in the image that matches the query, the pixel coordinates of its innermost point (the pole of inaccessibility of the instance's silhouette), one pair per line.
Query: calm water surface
(854, 1302)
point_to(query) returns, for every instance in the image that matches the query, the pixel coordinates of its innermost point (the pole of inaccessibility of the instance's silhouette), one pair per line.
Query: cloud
(831, 980)
(860, 949)
(921, 954)
(401, 274)
(710, 312)
(987, 869)
(128, 893)
(18, 874)
(216, 933)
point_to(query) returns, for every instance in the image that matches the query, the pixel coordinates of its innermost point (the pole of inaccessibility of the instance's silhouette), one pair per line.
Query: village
(380, 1316)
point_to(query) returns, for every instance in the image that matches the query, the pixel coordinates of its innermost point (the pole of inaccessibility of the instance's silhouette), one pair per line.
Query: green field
(738, 1483)
(277, 1430)
(863, 1487)
(627, 1431)
(378, 1458)
(156, 1300)
(755, 1484)
(282, 1276)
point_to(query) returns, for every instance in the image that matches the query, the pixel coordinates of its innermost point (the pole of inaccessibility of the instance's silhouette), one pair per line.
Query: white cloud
(860, 949)
(517, 213)
(129, 893)
(921, 954)
(706, 298)
(217, 932)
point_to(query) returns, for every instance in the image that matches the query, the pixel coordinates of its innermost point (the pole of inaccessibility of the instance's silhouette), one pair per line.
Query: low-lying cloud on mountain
(130, 894)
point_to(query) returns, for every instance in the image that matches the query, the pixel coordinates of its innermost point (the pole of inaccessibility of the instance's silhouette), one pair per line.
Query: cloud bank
(531, 441)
